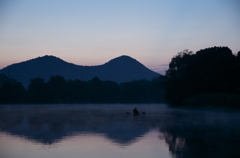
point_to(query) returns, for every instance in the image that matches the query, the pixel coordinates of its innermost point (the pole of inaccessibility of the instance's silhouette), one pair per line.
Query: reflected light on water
(87, 145)
(97, 131)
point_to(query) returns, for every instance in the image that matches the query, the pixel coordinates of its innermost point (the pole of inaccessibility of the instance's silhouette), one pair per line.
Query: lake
(108, 131)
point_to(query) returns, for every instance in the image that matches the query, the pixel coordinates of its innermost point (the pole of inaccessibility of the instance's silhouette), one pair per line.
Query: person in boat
(135, 112)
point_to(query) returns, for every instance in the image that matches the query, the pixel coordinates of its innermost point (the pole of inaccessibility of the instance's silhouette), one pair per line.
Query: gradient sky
(91, 32)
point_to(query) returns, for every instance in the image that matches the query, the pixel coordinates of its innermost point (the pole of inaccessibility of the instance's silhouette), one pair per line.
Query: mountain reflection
(49, 125)
(187, 133)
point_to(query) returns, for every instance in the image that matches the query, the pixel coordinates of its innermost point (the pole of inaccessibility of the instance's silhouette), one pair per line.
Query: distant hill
(120, 69)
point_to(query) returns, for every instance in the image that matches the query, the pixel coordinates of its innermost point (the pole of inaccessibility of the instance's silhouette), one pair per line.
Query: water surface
(100, 131)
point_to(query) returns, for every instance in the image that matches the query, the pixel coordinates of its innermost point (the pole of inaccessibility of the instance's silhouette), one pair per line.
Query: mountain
(120, 69)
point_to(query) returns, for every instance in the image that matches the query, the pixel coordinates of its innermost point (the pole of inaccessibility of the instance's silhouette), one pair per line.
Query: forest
(209, 77)
(59, 90)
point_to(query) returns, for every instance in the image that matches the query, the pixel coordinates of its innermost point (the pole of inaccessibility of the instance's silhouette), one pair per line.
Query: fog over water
(110, 130)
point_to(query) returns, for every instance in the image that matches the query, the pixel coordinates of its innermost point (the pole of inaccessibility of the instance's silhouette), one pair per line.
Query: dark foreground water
(106, 131)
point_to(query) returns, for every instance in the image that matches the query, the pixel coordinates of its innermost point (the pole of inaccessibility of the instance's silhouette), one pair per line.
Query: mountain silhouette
(120, 69)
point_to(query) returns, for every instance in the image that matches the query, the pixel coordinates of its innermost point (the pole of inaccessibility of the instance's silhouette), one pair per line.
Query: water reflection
(183, 133)
(49, 125)
(203, 134)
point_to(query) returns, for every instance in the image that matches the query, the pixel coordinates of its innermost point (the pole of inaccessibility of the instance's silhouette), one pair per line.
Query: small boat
(135, 112)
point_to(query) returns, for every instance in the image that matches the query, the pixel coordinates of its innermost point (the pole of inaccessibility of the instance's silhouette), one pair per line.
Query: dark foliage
(11, 91)
(142, 91)
(59, 90)
(211, 70)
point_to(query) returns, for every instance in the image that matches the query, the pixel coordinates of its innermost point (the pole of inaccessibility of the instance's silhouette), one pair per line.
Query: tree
(177, 77)
(237, 71)
(11, 91)
(37, 91)
(211, 70)
(56, 89)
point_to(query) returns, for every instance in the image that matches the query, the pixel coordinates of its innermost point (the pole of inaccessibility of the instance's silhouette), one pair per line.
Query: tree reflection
(188, 133)
(203, 134)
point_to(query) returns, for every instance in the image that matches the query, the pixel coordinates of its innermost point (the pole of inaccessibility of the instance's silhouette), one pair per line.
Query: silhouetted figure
(135, 112)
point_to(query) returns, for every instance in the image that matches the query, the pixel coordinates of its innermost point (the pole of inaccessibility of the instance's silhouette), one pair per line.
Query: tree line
(209, 76)
(59, 90)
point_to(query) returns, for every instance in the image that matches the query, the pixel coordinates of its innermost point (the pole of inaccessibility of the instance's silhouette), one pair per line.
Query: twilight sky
(91, 32)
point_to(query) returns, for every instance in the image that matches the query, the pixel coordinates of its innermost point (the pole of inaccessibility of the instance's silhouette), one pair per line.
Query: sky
(92, 32)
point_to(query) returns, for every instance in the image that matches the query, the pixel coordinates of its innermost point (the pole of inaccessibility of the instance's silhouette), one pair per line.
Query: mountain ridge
(120, 69)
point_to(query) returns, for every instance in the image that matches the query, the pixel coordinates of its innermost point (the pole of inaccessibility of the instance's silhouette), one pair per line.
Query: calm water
(106, 131)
